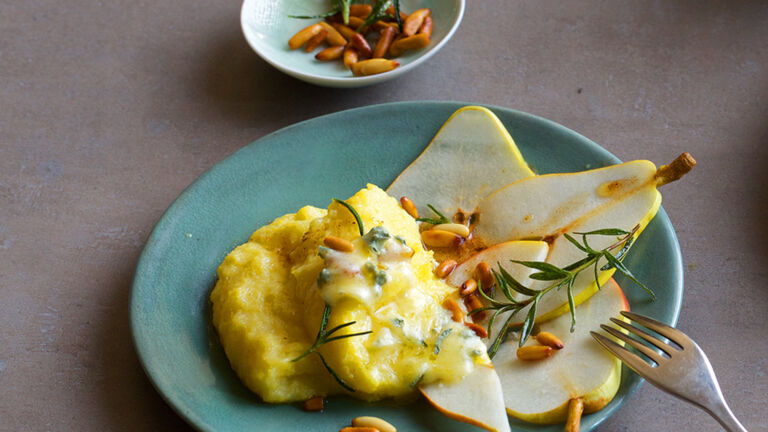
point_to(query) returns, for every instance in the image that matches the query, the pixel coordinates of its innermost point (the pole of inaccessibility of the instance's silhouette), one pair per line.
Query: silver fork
(684, 371)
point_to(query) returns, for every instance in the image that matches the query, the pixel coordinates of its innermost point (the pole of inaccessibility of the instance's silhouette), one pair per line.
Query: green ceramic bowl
(267, 28)
(309, 163)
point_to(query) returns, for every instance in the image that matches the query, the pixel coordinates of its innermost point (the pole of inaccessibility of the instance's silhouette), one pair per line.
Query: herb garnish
(323, 337)
(354, 213)
(441, 219)
(561, 277)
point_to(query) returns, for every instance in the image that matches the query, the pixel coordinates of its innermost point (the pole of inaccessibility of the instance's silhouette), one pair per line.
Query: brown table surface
(108, 110)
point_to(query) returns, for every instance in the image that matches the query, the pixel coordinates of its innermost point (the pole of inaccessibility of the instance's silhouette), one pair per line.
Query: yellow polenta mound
(271, 293)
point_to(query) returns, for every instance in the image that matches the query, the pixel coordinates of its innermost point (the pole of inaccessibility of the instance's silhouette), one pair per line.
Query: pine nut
(550, 340)
(456, 313)
(339, 244)
(350, 56)
(382, 46)
(355, 22)
(399, 46)
(361, 45)
(445, 268)
(359, 429)
(534, 352)
(468, 287)
(484, 275)
(427, 27)
(360, 11)
(473, 302)
(334, 37)
(331, 53)
(406, 202)
(304, 35)
(373, 422)
(440, 238)
(414, 21)
(381, 25)
(478, 329)
(374, 66)
(316, 40)
(344, 30)
(455, 228)
(314, 404)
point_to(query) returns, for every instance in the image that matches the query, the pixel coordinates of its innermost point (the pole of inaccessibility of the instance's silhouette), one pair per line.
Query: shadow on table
(252, 93)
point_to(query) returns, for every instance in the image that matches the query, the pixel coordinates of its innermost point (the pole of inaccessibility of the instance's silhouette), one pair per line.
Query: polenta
(272, 291)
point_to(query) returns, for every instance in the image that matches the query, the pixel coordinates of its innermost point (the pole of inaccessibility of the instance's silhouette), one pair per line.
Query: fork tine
(629, 358)
(651, 354)
(668, 332)
(645, 335)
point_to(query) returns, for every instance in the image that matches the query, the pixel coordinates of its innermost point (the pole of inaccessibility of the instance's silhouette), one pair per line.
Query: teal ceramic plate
(267, 28)
(308, 163)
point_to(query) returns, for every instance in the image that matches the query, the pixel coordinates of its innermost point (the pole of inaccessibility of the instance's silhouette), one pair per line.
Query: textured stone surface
(109, 109)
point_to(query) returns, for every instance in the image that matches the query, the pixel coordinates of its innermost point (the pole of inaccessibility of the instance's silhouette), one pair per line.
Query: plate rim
(147, 251)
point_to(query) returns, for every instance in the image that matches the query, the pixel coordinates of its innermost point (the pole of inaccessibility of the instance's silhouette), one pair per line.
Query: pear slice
(540, 391)
(621, 196)
(522, 250)
(477, 399)
(471, 156)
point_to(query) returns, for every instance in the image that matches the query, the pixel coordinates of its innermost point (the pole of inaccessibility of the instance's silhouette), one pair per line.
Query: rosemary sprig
(560, 278)
(440, 219)
(377, 13)
(352, 210)
(397, 15)
(324, 337)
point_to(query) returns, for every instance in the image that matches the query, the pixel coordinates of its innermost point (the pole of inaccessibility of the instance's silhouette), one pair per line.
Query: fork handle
(723, 414)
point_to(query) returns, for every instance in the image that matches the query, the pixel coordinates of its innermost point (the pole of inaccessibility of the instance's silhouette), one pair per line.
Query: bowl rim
(351, 81)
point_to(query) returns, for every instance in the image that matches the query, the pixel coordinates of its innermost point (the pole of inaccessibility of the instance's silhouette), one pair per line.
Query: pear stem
(675, 170)
(575, 410)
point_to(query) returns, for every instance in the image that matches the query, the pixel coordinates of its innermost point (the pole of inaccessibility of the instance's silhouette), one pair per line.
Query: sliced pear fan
(471, 156)
(621, 196)
(539, 391)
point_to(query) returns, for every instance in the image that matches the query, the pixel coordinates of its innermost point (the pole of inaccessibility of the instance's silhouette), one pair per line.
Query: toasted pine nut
(355, 23)
(314, 404)
(374, 66)
(414, 21)
(534, 352)
(350, 56)
(304, 35)
(455, 228)
(360, 11)
(426, 28)
(468, 287)
(484, 275)
(381, 25)
(331, 53)
(550, 340)
(358, 429)
(406, 202)
(439, 238)
(373, 422)
(456, 313)
(478, 329)
(382, 46)
(334, 37)
(473, 302)
(575, 410)
(391, 11)
(316, 40)
(445, 268)
(399, 46)
(339, 244)
(344, 30)
(361, 45)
